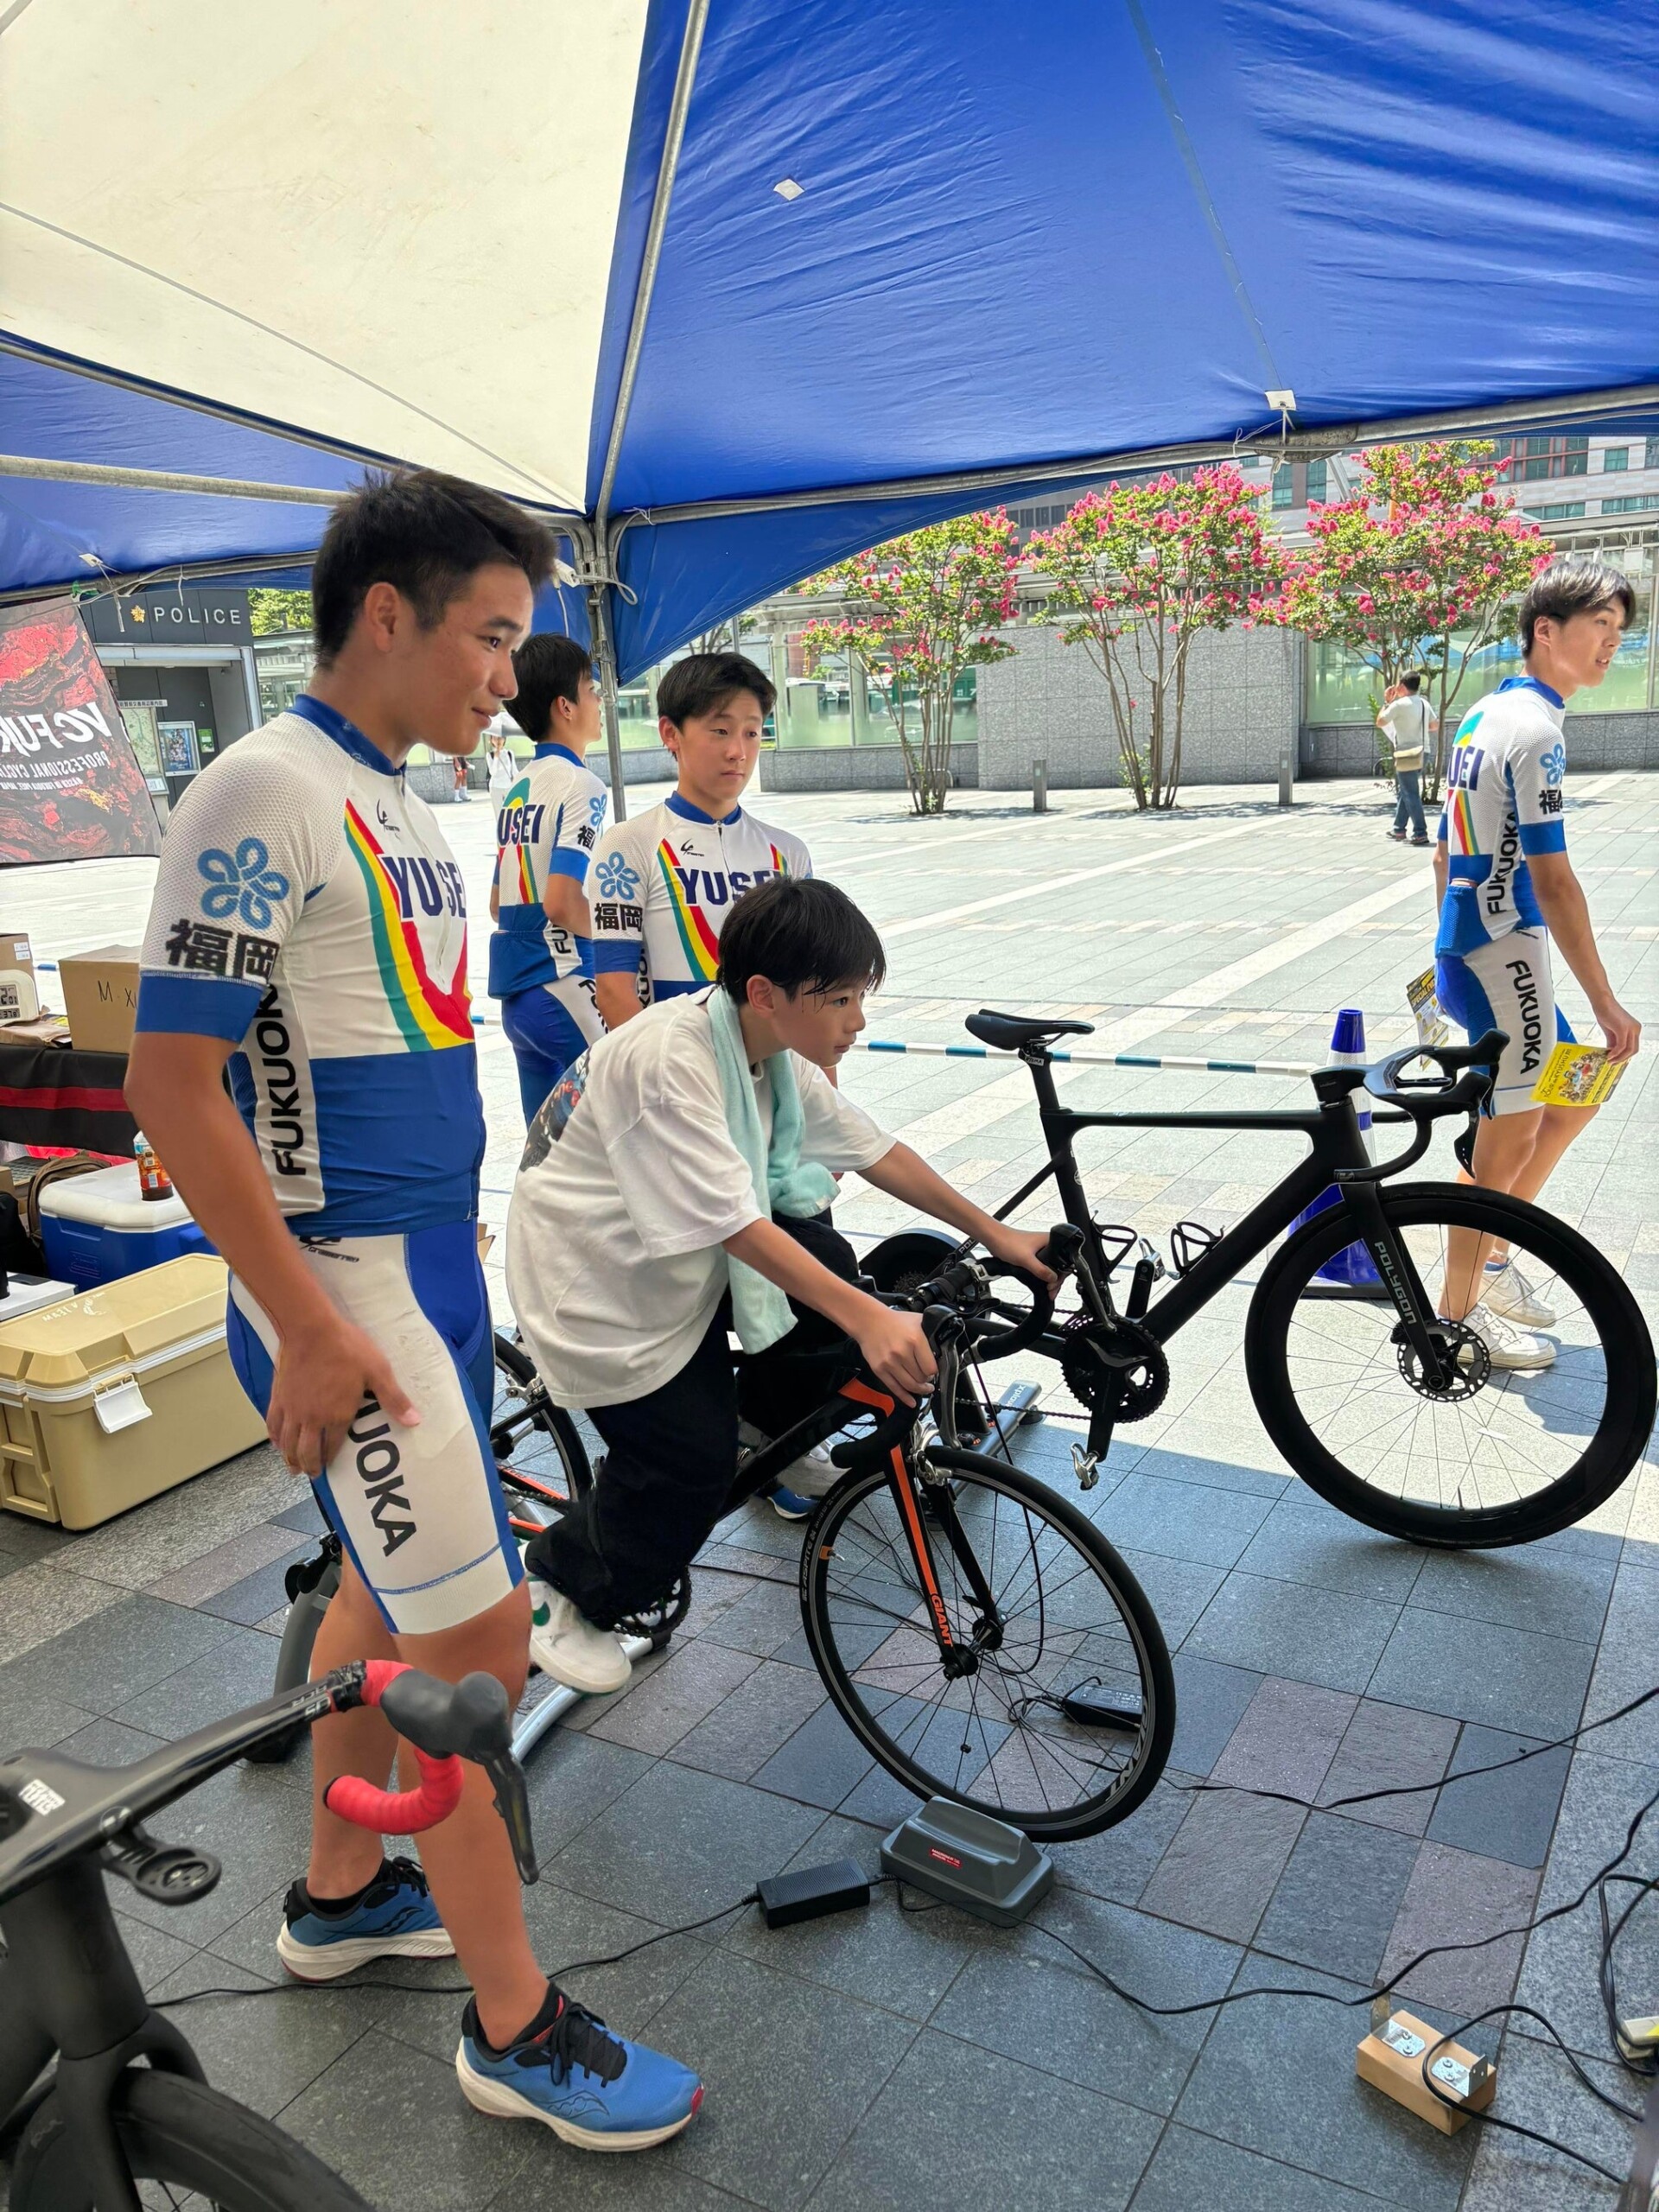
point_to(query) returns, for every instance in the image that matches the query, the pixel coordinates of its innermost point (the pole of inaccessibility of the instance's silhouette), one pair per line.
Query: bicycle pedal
(1085, 1465)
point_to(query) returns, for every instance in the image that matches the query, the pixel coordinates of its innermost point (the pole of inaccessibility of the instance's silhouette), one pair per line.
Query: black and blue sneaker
(393, 1917)
(567, 2069)
(788, 1504)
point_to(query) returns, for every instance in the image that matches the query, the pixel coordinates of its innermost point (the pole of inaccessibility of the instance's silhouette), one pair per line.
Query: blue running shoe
(788, 1504)
(394, 1918)
(592, 2088)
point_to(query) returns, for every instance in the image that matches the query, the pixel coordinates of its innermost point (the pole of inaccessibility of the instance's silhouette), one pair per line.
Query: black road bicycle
(1408, 1422)
(978, 1634)
(126, 2108)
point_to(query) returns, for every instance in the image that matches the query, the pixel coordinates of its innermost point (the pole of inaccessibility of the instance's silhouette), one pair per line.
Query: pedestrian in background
(1407, 722)
(504, 771)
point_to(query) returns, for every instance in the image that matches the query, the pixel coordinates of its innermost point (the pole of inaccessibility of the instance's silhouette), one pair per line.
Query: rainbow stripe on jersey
(432, 1015)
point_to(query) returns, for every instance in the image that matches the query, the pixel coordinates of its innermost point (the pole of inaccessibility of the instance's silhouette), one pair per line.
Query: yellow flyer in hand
(1433, 1028)
(1577, 1075)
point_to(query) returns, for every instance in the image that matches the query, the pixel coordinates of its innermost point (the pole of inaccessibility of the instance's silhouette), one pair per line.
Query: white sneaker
(1506, 1291)
(567, 1646)
(1508, 1346)
(813, 1475)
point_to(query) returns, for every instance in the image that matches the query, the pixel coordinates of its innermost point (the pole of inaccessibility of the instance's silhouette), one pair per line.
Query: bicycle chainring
(1471, 1370)
(1116, 1366)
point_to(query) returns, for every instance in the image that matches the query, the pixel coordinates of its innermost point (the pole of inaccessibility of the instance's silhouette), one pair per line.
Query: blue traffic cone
(1350, 1274)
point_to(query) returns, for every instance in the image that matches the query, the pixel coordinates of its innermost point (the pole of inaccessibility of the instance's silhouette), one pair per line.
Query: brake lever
(512, 1803)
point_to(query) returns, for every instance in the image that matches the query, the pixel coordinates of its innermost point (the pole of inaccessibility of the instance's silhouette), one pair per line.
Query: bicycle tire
(515, 1363)
(182, 2135)
(1622, 1426)
(969, 1470)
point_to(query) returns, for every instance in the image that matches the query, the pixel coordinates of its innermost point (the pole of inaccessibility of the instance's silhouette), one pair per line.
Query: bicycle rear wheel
(539, 1455)
(1065, 1616)
(183, 2140)
(1500, 1455)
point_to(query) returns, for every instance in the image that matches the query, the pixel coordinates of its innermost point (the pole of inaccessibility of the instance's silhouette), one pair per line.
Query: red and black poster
(70, 787)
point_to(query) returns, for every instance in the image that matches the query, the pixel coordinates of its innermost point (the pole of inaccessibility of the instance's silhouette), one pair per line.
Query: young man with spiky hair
(1507, 889)
(309, 933)
(547, 825)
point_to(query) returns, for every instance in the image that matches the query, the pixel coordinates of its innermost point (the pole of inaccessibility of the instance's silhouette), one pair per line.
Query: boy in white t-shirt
(635, 1192)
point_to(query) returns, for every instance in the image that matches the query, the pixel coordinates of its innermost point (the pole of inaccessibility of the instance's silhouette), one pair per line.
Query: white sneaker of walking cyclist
(1507, 1346)
(565, 1644)
(1506, 1291)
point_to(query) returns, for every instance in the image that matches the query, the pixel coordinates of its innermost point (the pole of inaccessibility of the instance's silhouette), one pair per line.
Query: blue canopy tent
(731, 288)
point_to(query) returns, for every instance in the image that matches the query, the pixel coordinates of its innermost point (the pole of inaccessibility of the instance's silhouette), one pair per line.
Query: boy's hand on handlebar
(897, 1352)
(1023, 1247)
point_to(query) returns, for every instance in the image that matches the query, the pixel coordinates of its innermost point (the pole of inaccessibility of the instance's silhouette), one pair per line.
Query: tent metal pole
(604, 661)
(162, 480)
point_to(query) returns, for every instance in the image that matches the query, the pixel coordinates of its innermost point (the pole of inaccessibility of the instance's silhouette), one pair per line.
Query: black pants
(669, 1473)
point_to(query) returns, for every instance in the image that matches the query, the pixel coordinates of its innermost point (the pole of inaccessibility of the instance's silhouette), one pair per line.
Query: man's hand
(1622, 1031)
(897, 1352)
(1023, 1247)
(323, 1377)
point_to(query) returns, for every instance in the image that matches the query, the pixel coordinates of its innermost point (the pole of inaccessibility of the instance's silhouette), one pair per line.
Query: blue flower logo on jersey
(615, 878)
(1553, 765)
(596, 810)
(243, 884)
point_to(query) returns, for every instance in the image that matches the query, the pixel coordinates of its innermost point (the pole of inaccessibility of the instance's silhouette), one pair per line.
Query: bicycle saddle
(1008, 1032)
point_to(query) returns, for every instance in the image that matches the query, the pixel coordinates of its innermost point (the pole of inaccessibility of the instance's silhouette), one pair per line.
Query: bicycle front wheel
(1052, 1706)
(1541, 1411)
(183, 2142)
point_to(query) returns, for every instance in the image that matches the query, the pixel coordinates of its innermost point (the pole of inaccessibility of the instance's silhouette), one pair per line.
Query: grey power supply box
(966, 1859)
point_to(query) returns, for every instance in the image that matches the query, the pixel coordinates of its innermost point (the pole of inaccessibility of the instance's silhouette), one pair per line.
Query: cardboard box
(19, 993)
(45, 1029)
(100, 996)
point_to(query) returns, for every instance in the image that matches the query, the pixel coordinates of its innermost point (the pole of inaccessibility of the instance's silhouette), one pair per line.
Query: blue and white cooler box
(97, 1228)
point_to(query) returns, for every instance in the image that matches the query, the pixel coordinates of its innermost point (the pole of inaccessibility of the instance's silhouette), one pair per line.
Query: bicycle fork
(1391, 1257)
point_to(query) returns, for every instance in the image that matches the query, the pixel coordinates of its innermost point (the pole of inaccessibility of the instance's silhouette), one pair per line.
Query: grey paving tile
(1624, 1665)
(612, 2184)
(239, 1669)
(770, 1614)
(1325, 1636)
(305, 1515)
(264, 2049)
(257, 1828)
(1189, 2170)
(42, 1600)
(1480, 1670)
(237, 1557)
(821, 1764)
(571, 1778)
(694, 1679)
(108, 1658)
(678, 1844)
(1181, 1459)
(1559, 1973)
(755, 1719)
(1510, 1814)
(1210, 1700)
(878, 1801)
(170, 1531)
(252, 1599)
(1565, 1592)
(155, 1952)
(362, 2115)
(788, 2075)
(1187, 1521)
(1390, 1745)
(1118, 1862)
(1277, 2076)
(1287, 1739)
(1039, 2005)
(35, 1718)
(24, 1538)
(1303, 1540)
(1224, 1863)
(1179, 1589)
(1004, 2133)
(1454, 1896)
(1512, 2175)
(1338, 1896)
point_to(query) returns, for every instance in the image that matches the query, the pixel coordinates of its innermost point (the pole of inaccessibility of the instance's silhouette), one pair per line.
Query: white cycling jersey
(1504, 805)
(662, 884)
(308, 910)
(547, 824)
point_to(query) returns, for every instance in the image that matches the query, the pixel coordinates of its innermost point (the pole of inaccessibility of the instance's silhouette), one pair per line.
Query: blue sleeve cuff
(568, 860)
(1542, 838)
(197, 1006)
(611, 958)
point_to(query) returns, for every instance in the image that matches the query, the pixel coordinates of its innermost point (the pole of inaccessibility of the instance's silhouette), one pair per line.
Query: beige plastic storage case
(119, 1394)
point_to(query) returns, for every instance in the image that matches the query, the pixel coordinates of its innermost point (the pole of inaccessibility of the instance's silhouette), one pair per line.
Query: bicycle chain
(1100, 1357)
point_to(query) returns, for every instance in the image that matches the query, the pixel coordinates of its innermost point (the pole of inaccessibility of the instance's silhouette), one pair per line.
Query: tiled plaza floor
(871, 2060)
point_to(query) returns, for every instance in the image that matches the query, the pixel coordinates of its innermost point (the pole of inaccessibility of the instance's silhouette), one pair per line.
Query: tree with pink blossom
(1135, 573)
(920, 609)
(1421, 568)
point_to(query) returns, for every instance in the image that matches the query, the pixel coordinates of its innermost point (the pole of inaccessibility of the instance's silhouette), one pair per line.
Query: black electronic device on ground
(966, 1859)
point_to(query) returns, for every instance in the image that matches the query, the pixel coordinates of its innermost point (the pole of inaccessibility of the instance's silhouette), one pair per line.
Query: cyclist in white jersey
(663, 882)
(548, 819)
(1507, 887)
(309, 930)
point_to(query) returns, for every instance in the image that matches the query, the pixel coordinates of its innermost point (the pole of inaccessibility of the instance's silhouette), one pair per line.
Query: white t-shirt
(629, 1185)
(1407, 722)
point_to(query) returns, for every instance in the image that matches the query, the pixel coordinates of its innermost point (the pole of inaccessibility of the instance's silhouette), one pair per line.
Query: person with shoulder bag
(1407, 722)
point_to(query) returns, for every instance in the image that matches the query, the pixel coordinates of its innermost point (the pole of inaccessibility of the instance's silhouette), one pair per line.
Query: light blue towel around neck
(784, 1182)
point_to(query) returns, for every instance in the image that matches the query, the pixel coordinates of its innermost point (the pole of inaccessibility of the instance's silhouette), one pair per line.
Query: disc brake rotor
(1470, 1364)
